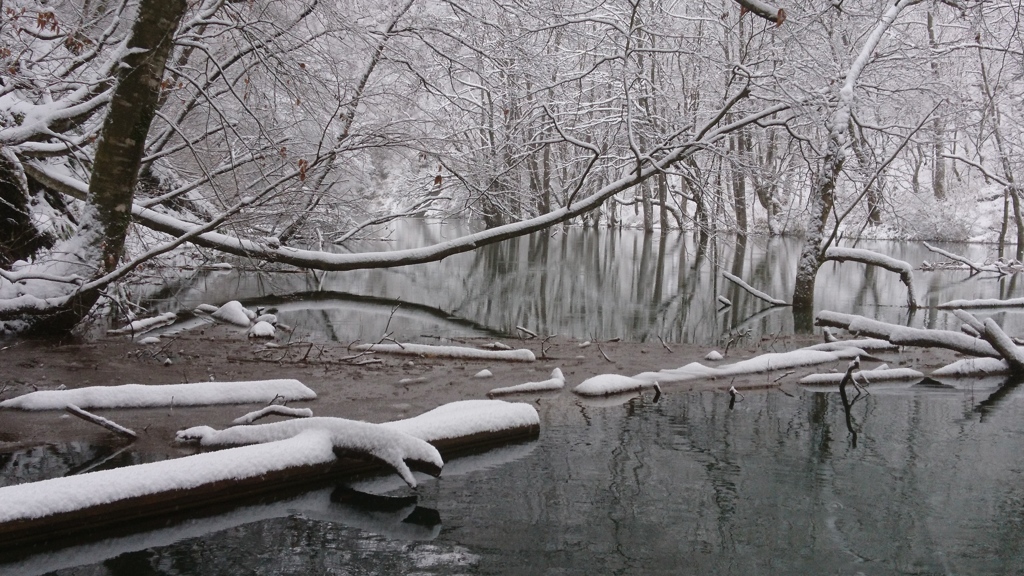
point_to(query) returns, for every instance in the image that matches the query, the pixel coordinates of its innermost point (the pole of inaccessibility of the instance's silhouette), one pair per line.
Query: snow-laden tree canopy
(273, 130)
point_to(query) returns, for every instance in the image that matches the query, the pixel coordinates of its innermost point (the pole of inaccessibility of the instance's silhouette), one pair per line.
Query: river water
(775, 485)
(922, 478)
(587, 284)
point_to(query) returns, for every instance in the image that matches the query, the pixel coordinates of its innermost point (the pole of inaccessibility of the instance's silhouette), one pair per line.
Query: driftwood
(994, 335)
(904, 336)
(958, 258)
(92, 522)
(754, 291)
(101, 421)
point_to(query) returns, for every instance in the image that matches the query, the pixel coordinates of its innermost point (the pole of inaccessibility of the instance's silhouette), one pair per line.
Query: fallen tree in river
(297, 452)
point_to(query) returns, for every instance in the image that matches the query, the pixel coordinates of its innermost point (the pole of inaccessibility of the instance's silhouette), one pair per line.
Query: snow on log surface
(611, 384)
(56, 506)
(275, 409)
(159, 395)
(754, 291)
(139, 326)
(904, 269)
(904, 336)
(984, 303)
(390, 446)
(864, 376)
(556, 382)
(520, 355)
(971, 367)
(468, 417)
(869, 344)
(71, 493)
(764, 363)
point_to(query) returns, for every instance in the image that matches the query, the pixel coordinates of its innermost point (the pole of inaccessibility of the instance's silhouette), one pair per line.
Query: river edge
(390, 387)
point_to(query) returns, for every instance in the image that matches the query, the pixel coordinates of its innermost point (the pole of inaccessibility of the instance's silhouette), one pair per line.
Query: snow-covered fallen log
(863, 377)
(613, 384)
(315, 505)
(905, 336)
(158, 395)
(381, 442)
(867, 344)
(455, 352)
(556, 382)
(273, 409)
(140, 326)
(973, 367)
(772, 362)
(91, 501)
(975, 268)
(904, 269)
(983, 303)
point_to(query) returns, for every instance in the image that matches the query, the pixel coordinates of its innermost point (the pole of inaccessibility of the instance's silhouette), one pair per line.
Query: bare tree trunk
(822, 195)
(938, 142)
(739, 183)
(104, 224)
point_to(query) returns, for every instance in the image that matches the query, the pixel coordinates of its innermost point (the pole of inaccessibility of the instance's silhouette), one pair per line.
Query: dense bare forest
(278, 130)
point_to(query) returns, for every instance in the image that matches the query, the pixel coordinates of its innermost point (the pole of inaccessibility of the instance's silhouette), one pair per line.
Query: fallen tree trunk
(904, 336)
(90, 521)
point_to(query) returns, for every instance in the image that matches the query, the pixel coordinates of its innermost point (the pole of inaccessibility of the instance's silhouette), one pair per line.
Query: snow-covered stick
(955, 257)
(905, 270)
(101, 421)
(754, 291)
(520, 355)
(905, 336)
(556, 382)
(273, 409)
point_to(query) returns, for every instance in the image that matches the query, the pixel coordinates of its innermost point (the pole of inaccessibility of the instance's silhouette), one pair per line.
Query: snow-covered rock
(714, 356)
(234, 313)
(262, 329)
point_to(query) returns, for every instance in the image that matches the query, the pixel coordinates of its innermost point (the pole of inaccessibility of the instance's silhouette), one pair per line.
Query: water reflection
(683, 486)
(593, 283)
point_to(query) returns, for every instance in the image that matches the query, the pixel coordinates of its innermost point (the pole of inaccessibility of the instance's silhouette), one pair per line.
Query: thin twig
(662, 340)
(602, 352)
(529, 333)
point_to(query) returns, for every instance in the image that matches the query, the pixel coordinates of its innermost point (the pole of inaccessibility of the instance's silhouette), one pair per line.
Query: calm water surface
(777, 485)
(588, 284)
(929, 480)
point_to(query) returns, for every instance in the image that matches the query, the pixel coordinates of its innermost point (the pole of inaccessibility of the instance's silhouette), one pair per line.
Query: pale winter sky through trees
(282, 129)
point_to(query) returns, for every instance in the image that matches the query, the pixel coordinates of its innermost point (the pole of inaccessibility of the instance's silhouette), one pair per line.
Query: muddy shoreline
(388, 387)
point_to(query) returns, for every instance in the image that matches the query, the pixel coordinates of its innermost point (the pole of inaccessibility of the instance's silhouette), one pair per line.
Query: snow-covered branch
(905, 270)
